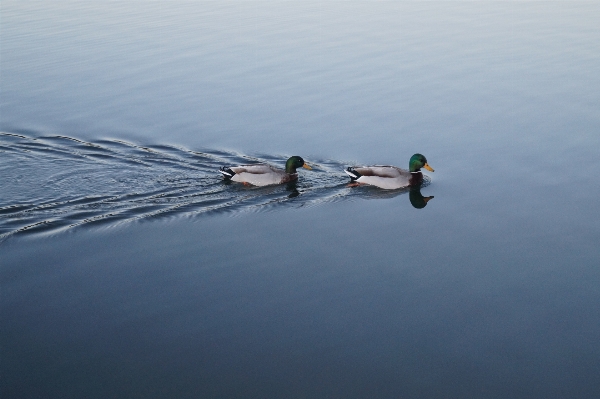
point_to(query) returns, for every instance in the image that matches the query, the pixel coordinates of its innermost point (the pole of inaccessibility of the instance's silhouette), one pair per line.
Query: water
(129, 269)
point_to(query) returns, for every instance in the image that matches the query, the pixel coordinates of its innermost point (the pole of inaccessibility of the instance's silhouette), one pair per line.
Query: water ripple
(54, 183)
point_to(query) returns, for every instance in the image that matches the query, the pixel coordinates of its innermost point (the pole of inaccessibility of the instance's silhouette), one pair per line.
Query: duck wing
(382, 171)
(383, 176)
(259, 174)
(257, 168)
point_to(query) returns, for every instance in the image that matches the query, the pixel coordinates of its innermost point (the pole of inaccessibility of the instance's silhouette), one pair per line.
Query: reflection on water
(417, 200)
(110, 181)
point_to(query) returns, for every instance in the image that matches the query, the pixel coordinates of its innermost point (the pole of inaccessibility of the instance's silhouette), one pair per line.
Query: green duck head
(295, 162)
(417, 162)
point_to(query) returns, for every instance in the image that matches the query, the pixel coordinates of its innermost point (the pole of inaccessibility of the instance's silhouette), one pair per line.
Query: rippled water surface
(54, 183)
(129, 268)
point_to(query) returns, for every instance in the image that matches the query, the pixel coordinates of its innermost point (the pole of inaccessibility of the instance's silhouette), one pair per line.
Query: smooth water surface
(130, 269)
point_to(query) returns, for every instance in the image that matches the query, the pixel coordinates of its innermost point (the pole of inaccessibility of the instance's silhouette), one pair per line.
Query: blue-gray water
(129, 269)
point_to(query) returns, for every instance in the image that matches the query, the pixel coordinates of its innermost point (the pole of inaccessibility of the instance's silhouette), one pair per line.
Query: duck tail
(226, 172)
(354, 175)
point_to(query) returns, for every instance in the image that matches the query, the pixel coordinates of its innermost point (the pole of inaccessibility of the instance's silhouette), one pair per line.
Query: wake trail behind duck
(55, 183)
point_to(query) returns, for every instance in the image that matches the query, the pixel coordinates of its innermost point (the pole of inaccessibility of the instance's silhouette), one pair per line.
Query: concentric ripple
(54, 183)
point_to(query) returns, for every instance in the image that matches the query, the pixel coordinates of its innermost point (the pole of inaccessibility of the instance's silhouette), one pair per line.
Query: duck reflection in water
(293, 188)
(417, 199)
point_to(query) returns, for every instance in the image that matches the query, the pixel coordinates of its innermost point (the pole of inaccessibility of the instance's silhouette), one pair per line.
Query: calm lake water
(130, 269)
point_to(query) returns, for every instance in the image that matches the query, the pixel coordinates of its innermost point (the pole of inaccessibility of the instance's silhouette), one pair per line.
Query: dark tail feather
(226, 172)
(352, 173)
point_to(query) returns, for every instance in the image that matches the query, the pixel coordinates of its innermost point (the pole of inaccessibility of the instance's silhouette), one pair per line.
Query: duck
(262, 174)
(390, 177)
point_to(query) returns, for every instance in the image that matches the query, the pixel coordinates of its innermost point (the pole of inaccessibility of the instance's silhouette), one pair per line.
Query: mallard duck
(262, 174)
(391, 177)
